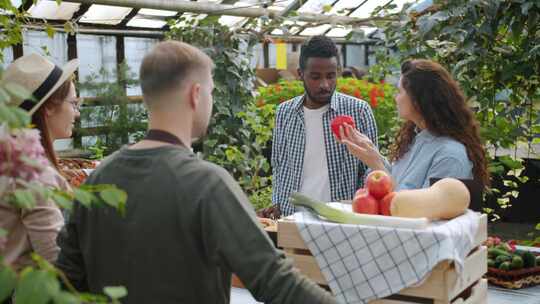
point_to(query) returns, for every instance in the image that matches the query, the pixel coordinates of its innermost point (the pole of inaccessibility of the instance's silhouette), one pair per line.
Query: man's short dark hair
(320, 47)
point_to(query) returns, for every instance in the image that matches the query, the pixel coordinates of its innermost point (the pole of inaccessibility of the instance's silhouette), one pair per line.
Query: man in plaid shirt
(306, 157)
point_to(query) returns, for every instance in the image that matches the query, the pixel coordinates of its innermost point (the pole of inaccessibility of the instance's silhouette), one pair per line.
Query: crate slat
(441, 286)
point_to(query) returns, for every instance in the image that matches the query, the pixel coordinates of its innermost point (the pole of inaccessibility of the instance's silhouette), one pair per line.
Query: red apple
(379, 183)
(363, 202)
(386, 202)
(340, 121)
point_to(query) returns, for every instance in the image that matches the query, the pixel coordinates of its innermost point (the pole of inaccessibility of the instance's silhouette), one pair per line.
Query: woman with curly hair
(440, 137)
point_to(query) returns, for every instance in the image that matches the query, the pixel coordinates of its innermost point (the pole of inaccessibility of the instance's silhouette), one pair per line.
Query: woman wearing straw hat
(54, 108)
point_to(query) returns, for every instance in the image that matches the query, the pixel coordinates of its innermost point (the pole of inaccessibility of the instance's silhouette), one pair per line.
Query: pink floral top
(32, 230)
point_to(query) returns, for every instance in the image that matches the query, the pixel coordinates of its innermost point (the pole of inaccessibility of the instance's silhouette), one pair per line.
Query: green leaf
(327, 8)
(18, 91)
(36, 287)
(116, 198)
(83, 197)
(8, 280)
(49, 30)
(537, 226)
(62, 200)
(510, 162)
(24, 199)
(4, 96)
(115, 292)
(66, 298)
(525, 7)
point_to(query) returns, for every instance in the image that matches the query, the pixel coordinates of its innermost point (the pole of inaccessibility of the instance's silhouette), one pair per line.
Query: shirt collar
(298, 103)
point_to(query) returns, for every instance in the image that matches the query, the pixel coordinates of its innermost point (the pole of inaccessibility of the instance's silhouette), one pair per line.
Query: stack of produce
(510, 267)
(76, 170)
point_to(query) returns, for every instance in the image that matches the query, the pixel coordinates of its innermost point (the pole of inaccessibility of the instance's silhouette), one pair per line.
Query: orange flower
(357, 94)
(278, 88)
(346, 90)
(260, 103)
(373, 97)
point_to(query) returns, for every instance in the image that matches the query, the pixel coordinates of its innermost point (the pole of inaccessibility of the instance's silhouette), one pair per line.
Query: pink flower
(21, 154)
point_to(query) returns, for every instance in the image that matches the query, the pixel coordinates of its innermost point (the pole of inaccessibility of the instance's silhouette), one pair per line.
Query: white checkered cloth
(363, 263)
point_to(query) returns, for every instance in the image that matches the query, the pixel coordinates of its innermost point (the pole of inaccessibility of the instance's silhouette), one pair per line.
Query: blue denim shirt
(430, 156)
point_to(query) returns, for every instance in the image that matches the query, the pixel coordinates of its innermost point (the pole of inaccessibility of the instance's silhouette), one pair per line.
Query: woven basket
(514, 279)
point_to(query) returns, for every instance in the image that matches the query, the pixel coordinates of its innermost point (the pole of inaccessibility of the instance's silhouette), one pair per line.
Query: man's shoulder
(350, 102)
(289, 105)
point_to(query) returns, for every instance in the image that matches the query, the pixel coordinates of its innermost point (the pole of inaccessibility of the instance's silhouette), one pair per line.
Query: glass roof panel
(368, 29)
(105, 14)
(338, 32)
(189, 17)
(314, 6)
(367, 8)
(231, 21)
(280, 4)
(343, 7)
(138, 21)
(317, 30)
(153, 12)
(51, 10)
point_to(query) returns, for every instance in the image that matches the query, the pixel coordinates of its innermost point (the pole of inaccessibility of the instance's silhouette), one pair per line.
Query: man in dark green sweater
(188, 225)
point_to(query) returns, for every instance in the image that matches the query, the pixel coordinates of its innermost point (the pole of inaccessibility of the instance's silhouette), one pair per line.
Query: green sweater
(187, 227)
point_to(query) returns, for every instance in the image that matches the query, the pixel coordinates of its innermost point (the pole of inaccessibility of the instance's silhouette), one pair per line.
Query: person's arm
(43, 223)
(234, 240)
(70, 260)
(363, 148)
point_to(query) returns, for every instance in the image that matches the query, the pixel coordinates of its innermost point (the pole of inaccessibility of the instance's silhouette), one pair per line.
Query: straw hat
(39, 76)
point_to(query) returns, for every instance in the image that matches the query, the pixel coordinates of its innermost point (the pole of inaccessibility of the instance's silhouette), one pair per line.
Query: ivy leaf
(84, 197)
(8, 280)
(115, 292)
(36, 287)
(116, 198)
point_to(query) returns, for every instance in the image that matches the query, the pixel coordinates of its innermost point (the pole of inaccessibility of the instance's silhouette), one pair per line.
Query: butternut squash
(444, 200)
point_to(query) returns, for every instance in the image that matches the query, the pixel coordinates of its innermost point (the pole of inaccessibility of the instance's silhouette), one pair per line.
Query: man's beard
(318, 100)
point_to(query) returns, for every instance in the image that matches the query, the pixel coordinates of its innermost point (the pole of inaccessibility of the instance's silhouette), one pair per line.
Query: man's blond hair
(168, 66)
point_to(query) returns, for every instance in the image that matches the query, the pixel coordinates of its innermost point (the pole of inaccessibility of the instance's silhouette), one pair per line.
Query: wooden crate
(441, 286)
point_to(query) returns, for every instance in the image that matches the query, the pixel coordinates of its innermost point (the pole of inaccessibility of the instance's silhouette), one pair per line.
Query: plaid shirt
(346, 172)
